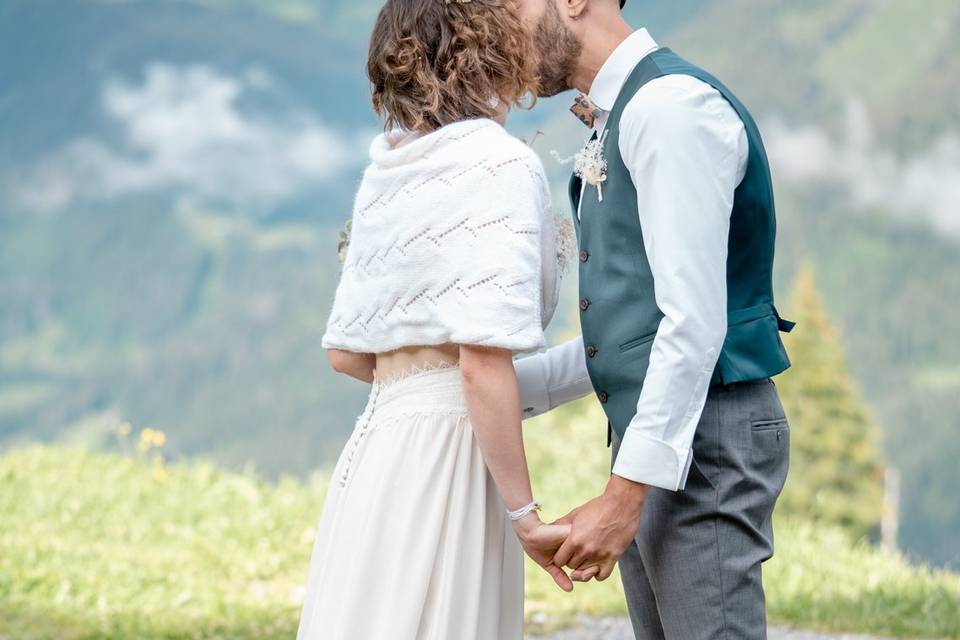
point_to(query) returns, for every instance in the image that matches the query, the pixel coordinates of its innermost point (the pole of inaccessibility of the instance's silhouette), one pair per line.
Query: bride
(450, 271)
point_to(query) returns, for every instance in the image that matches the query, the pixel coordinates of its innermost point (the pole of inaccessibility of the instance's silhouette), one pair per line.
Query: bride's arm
(493, 400)
(355, 365)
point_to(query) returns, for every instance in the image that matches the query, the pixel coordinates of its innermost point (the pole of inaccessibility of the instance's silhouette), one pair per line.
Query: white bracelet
(522, 511)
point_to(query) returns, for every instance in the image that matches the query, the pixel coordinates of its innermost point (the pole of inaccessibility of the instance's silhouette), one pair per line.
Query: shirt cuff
(652, 462)
(534, 395)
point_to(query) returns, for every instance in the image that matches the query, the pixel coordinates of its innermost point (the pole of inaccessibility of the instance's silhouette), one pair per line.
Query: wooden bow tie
(585, 110)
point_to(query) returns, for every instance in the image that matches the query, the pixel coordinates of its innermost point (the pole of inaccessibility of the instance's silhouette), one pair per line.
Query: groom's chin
(550, 94)
(551, 90)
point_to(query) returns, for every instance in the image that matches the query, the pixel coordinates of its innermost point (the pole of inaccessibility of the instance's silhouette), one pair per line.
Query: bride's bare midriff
(399, 361)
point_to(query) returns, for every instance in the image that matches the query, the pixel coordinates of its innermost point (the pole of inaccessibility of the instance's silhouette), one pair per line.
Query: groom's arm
(686, 150)
(552, 378)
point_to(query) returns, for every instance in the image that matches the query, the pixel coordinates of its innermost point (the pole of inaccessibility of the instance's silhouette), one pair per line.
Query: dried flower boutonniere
(589, 164)
(344, 241)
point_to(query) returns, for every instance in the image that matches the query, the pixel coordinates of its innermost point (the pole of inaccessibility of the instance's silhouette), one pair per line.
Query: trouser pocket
(770, 453)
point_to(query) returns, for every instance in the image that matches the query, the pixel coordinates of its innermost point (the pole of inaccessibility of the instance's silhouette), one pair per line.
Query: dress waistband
(429, 388)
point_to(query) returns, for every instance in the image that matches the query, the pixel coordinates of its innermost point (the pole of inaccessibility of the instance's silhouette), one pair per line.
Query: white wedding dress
(453, 240)
(415, 543)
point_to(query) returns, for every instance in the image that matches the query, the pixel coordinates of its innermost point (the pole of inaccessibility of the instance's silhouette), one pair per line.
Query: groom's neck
(599, 39)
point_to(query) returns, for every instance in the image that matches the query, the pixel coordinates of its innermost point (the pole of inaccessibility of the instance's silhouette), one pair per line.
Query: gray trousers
(693, 570)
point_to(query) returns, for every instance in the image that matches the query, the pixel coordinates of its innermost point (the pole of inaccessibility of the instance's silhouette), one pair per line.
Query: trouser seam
(716, 520)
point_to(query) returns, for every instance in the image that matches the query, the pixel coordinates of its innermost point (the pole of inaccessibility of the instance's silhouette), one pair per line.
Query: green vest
(618, 313)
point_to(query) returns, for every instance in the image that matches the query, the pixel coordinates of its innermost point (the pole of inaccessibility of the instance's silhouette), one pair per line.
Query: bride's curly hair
(433, 62)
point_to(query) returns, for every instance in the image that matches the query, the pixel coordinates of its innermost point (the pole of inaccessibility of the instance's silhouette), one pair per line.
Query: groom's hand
(601, 530)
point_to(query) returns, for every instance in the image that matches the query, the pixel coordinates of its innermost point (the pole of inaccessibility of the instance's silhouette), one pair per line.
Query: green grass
(121, 546)
(103, 546)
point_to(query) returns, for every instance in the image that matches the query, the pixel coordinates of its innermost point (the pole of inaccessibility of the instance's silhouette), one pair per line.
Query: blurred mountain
(173, 174)
(805, 60)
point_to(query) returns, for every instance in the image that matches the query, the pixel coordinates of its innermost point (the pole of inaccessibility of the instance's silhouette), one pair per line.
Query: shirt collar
(606, 86)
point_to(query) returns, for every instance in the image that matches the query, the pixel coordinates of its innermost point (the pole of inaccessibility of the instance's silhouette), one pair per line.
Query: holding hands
(590, 539)
(541, 542)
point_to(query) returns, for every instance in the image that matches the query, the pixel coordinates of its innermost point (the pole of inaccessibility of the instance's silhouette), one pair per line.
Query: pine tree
(836, 466)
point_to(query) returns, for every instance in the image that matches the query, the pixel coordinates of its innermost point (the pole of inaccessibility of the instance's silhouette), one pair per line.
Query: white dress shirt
(686, 150)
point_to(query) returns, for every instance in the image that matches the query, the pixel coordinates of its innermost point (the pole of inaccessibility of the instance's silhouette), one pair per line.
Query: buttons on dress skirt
(366, 417)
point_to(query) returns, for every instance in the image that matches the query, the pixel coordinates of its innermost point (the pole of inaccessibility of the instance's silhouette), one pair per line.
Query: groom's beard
(558, 50)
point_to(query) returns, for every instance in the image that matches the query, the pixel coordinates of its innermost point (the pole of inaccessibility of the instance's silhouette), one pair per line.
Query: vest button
(604, 396)
(584, 304)
(584, 255)
(591, 351)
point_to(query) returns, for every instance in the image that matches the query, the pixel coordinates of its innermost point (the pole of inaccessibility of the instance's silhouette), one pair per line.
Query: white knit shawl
(453, 239)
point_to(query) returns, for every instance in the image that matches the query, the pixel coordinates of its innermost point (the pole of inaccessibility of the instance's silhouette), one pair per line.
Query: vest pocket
(636, 342)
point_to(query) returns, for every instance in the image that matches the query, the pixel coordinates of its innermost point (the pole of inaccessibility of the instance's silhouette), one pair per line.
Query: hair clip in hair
(457, 1)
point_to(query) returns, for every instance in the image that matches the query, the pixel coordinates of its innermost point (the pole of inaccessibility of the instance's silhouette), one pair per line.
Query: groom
(680, 333)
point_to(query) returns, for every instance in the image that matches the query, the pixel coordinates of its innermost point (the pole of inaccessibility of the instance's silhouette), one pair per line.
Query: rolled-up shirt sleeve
(685, 148)
(552, 378)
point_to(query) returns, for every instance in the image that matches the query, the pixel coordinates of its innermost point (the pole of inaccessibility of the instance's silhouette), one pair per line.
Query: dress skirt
(414, 542)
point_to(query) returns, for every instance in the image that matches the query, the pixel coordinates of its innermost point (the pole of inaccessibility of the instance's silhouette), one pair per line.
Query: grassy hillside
(125, 546)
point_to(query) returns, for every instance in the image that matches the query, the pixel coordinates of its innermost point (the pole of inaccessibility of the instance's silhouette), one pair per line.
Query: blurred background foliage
(173, 175)
(836, 463)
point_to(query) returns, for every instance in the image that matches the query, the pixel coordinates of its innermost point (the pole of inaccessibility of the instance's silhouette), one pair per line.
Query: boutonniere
(344, 241)
(589, 164)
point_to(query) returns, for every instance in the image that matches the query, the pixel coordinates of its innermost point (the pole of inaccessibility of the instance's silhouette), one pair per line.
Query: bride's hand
(541, 541)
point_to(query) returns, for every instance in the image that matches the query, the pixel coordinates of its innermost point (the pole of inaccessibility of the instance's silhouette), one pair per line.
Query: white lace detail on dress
(413, 370)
